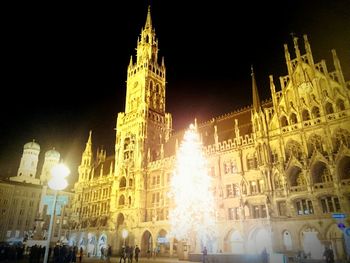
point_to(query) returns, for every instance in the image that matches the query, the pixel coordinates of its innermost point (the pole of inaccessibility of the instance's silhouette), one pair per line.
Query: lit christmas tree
(192, 218)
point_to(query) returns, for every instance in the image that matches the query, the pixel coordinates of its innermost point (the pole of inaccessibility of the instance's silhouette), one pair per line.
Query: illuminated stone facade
(280, 168)
(22, 207)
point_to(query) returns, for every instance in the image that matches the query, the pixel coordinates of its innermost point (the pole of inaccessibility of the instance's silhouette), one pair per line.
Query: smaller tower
(29, 162)
(52, 157)
(86, 161)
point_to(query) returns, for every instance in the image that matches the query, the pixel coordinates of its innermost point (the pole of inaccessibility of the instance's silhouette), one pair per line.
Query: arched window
(316, 112)
(122, 183)
(244, 189)
(287, 241)
(121, 200)
(296, 177)
(343, 168)
(293, 118)
(320, 173)
(252, 161)
(293, 148)
(341, 136)
(306, 115)
(329, 108)
(284, 121)
(340, 105)
(314, 143)
(130, 182)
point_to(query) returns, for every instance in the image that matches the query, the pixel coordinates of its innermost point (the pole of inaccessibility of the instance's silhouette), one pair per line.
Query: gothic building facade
(280, 168)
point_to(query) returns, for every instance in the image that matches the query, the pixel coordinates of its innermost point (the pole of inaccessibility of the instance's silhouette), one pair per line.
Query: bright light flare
(59, 172)
(193, 214)
(125, 233)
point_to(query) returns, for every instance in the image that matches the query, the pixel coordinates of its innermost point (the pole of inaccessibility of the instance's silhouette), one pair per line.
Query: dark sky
(64, 64)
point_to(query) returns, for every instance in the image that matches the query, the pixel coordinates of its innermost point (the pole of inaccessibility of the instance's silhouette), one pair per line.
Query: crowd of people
(128, 253)
(36, 253)
(11, 252)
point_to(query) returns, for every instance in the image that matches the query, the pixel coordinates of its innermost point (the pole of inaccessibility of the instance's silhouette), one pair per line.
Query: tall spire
(256, 100)
(88, 144)
(148, 19)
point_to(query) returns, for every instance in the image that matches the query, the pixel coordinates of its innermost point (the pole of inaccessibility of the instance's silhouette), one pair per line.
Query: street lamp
(124, 234)
(57, 183)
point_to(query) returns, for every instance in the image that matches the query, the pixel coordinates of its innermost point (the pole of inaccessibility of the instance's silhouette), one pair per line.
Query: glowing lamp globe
(124, 233)
(59, 173)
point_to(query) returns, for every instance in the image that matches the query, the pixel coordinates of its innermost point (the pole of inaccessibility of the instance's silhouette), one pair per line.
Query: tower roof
(32, 145)
(256, 100)
(148, 19)
(52, 154)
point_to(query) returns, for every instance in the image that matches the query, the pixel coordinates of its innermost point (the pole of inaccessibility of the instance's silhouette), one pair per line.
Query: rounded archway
(234, 242)
(91, 245)
(335, 237)
(311, 243)
(146, 242)
(259, 239)
(82, 241)
(287, 240)
(163, 245)
(102, 244)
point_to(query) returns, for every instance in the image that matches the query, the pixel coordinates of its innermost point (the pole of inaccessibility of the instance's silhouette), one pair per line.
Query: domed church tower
(29, 162)
(52, 157)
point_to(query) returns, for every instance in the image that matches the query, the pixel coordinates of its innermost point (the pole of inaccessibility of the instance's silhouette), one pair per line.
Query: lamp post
(124, 234)
(57, 183)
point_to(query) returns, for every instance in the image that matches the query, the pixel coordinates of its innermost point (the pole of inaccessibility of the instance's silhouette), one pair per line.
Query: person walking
(80, 254)
(328, 255)
(264, 256)
(137, 252)
(205, 253)
(122, 255)
(109, 253)
(131, 254)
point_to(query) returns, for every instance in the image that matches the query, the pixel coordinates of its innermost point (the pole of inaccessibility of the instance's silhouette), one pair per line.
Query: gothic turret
(86, 161)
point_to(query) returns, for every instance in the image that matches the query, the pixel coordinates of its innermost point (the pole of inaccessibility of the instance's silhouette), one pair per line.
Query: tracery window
(305, 115)
(316, 112)
(330, 204)
(284, 121)
(293, 148)
(329, 108)
(304, 207)
(341, 136)
(340, 105)
(315, 143)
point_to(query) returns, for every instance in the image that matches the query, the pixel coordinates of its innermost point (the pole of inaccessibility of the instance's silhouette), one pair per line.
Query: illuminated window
(304, 207)
(330, 204)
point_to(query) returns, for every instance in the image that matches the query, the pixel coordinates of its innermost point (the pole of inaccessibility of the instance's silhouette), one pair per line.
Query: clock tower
(144, 126)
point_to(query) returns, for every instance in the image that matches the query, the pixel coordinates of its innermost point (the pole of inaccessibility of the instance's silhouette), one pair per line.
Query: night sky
(64, 64)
